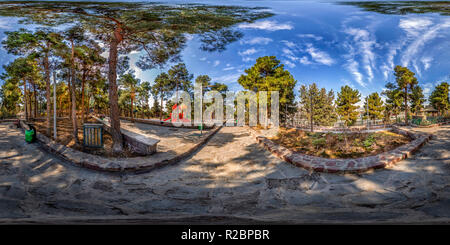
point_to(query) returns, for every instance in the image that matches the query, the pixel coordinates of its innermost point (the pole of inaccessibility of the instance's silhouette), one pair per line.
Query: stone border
(124, 165)
(354, 165)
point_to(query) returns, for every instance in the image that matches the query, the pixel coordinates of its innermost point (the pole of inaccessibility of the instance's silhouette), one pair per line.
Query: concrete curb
(122, 165)
(354, 165)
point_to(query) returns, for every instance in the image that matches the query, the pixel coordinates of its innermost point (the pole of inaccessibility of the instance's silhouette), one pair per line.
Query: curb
(353, 165)
(99, 163)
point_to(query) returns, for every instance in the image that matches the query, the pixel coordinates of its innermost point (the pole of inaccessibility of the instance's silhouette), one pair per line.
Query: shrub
(321, 142)
(368, 142)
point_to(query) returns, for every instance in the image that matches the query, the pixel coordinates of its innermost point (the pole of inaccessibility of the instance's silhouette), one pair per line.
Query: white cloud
(288, 43)
(227, 78)
(352, 67)
(414, 26)
(266, 25)
(412, 50)
(365, 43)
(426, 61)
(228, 68)
(319, 56)
(257, 40)
(248, 52)
(427, 87)
(315, 37)
(203, 58)
(288, 63)
(216, 63)
(305, 61)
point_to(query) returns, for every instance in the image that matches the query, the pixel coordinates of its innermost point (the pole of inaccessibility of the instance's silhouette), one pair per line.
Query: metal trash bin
(93, 135)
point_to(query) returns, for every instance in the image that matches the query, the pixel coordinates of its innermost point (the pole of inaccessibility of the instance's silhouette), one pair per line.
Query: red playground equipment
(180, 115)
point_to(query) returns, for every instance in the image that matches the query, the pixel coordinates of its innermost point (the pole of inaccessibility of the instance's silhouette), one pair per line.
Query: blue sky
(332, 45)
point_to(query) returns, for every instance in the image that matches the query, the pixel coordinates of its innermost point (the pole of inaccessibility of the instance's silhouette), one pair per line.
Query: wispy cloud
(426, 61)
(247, 52)
(352, 67)
(288, 63)
(267, 25)
(257, 40)
(312, 36)
(319, 56)
(216, 63)
(365, 42)
(420, 40)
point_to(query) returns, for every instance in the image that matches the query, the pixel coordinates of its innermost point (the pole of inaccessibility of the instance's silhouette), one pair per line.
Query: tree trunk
(25, 98)
(70, 89)
(311, 113)
(35, 100)
(74, 102)
(47, 93)
(83, 79)
(161, 111)
(113, 95)
(132, 105)
(406, 105)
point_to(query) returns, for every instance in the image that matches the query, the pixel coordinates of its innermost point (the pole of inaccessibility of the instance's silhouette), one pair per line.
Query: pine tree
(405, 80)
(345, 104)
(318, 105)
(417, 99)
(394, 100)
(268, 74)
(130, 83)
(439, 98)
(162, 87)
(375, 107)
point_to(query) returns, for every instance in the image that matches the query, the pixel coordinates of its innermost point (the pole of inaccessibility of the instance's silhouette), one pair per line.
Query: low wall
(137, 143)
(363, 164)
(123, 165)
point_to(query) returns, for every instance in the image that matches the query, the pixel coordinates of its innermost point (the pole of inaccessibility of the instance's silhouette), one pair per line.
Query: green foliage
(403, 7)
(417, 99)
(405, 80)
(180, 76)
(439, 98)
(320, 142)
(319, 104)
(373, 106)
(369, 141)
(268, 74)
(394, 99)
(345, 103)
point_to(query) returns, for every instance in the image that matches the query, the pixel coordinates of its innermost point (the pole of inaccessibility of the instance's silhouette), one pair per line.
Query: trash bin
(30, 135)
(93, 135)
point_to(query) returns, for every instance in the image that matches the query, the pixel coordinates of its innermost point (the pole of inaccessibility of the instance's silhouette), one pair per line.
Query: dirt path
(231, 179)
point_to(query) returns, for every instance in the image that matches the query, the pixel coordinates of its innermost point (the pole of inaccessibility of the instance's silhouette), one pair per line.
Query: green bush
(368, 142)
(321, 142)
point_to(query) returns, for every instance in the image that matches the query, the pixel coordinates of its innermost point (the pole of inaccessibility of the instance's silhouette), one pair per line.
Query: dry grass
(333, 145)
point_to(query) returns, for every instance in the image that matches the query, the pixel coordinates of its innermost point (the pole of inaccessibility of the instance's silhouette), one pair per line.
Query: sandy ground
(229, 180)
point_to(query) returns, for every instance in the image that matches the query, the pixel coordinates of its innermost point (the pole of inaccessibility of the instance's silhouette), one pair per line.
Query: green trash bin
(30, 135)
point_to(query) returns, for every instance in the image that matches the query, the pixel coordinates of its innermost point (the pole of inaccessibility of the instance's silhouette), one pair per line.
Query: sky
(322, 42)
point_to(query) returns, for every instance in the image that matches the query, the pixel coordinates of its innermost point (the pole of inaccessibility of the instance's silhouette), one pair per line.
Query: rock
(11, 209)
(79, 207)
(103, 186)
